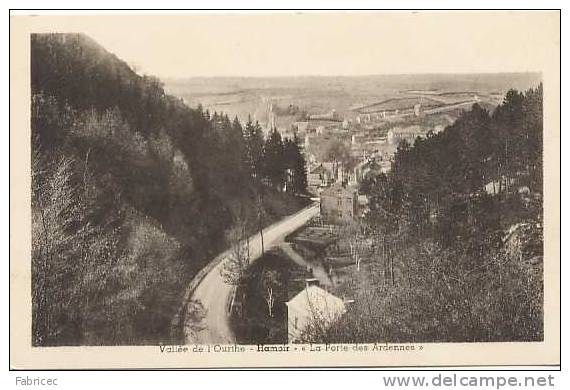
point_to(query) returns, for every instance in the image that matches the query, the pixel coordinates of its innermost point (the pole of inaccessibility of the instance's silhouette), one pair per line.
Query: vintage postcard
(285, 189)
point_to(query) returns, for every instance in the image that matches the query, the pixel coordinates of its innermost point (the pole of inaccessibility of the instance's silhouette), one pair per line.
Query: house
(302, 127)
(329, 116)
(313, 304)
(339, 204)
(319, 177)
(410, 133)
(363, 201)
(418, 109)
(385, 166)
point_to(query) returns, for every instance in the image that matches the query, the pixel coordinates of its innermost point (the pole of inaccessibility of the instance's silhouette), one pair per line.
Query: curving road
(215, 295)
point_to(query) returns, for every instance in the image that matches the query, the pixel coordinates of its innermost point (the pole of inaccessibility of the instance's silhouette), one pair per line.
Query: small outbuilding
(313, 304)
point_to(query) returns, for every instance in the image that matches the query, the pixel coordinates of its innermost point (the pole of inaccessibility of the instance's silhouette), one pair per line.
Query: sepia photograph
(291, 184)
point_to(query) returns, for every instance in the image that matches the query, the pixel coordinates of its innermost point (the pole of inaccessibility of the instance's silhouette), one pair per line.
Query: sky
(262, 44)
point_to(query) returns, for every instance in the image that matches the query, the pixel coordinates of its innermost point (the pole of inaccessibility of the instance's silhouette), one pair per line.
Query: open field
(315, 95)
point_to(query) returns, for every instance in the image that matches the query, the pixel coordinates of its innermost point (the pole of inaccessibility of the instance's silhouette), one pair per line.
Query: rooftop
(338, 190)
(320, 169)
(314, 300)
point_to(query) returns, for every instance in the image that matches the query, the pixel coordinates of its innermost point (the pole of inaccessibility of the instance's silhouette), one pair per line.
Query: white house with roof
(312, 304)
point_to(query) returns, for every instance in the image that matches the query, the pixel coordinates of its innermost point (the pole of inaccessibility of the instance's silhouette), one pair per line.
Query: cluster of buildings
(321, 124)
(367, 146)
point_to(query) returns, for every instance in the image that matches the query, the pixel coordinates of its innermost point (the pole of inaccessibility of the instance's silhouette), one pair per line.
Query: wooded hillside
(452, 246)
(133, 192)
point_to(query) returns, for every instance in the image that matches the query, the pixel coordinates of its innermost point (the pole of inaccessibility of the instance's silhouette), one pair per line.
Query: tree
(253, 135)
(270, 284)
(300, 175)
(289, 157)
(532, 129)
(295, 166)
(260, 208)
(354, 235)
(55, 212)
(194, 318)
(235, 265)
(273, 160)
(74, 261)
(236, 145)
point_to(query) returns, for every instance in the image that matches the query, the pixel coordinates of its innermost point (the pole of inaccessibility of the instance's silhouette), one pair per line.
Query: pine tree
(236, 145)
(253, 135)
(299, 168)
(273, 160)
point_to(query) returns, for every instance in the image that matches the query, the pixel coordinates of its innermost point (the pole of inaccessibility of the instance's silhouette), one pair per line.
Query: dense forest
(133, 192)
(455, 235)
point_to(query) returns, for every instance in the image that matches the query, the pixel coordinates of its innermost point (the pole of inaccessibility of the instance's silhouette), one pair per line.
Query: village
(341, 147)
(325, 255)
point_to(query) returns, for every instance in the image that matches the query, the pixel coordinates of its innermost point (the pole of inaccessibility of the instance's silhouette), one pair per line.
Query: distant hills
(315, 94)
